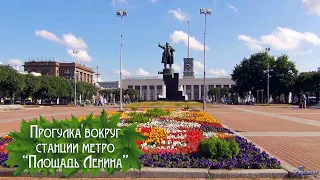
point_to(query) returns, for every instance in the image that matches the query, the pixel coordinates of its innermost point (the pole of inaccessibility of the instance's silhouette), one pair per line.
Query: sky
(235, 29)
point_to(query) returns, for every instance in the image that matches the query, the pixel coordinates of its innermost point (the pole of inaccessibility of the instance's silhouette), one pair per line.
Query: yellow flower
(156, 135)
(84, 117)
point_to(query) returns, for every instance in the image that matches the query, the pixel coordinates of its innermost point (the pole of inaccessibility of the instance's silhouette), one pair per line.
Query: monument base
(171, 80)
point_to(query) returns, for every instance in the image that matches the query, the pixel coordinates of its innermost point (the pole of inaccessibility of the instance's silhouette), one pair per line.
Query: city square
(195, 90)
(282, 131)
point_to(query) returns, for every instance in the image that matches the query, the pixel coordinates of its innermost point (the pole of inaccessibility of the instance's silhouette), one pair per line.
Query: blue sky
(236, 29)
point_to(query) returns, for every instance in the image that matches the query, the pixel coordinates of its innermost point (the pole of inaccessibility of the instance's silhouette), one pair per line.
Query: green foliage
(32, 85)
(124, 145)
(187, 107)
(216, 148)
(138, 117)
(156, 112)
(134, 108)
(283, 76)
(11, 82)
(251, 74)
(132, 93)
(24, 86)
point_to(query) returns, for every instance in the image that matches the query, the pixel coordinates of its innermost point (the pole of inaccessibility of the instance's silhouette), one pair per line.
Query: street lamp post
(268, 83)
(121, 14)
(75, 78)
(205, 12)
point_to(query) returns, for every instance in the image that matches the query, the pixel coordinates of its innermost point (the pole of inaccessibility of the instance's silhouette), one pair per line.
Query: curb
(172, 173)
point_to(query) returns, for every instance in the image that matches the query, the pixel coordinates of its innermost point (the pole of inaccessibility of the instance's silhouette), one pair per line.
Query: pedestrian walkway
(279, 134)
(289, 118)
(294, 141)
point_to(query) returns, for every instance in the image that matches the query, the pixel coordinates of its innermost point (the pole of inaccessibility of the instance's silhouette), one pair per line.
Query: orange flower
(223, 135)
(200, 117)
(5, 137)
(169, 109)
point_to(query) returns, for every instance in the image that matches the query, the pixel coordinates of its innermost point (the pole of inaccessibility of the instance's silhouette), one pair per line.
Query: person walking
(303, 101)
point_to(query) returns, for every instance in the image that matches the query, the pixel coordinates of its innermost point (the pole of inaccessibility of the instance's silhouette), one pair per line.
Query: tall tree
(32, 85)
(251, 74)
(283, 76)
(11, 82)
(132, 93)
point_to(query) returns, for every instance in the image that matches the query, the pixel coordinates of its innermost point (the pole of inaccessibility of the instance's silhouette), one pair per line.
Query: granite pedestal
(171, 80)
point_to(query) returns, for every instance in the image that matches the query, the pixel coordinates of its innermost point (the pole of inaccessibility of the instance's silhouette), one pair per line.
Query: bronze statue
(167, 55)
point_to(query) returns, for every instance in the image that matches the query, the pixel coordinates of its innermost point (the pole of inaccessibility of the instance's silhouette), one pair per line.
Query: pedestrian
(303, 101)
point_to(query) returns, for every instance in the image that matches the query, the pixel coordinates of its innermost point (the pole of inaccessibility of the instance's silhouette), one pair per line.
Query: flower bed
(173, 140)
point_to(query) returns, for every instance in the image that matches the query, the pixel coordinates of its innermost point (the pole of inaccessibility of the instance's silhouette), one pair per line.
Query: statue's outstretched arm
(161, 46)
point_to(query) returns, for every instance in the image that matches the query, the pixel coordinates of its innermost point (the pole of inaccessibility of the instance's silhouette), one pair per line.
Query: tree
(307, 82)
(45, 91)
(214, 92)
(32, 85)
(283, 76)
(132, 93)
(251, 73)
(11, 82)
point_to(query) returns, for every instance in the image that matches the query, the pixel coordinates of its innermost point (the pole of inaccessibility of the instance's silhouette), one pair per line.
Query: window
(188, 91)
(152, 93)
(159, 91)
(144, 93)
(196, 92)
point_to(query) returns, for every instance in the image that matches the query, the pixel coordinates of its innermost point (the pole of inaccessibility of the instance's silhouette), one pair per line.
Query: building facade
(65, 70)
(151, 89)
(109, 85)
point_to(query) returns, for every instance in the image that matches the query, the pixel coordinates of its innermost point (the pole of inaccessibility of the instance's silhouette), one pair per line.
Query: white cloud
(94, 79)
(251, 43)
(73, 42)
(233, 8)
(218, 72)
(312, 6)
(153, 1)
(82, 55)
(70, 41)
(198, 67)
(142, 72)
(180, 36)
(15, 62)
(48, 35)
(177, 67)
(124, 72)
(178, 14)
(281, 39)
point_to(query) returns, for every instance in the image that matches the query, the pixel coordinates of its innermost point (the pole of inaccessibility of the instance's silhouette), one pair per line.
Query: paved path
(290, 134)
(26, 178)
(10, 121)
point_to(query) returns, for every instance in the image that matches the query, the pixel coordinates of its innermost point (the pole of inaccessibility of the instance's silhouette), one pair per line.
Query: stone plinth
(171, 80)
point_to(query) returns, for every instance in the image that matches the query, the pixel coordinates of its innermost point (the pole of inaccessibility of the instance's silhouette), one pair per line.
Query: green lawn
(166, 104)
